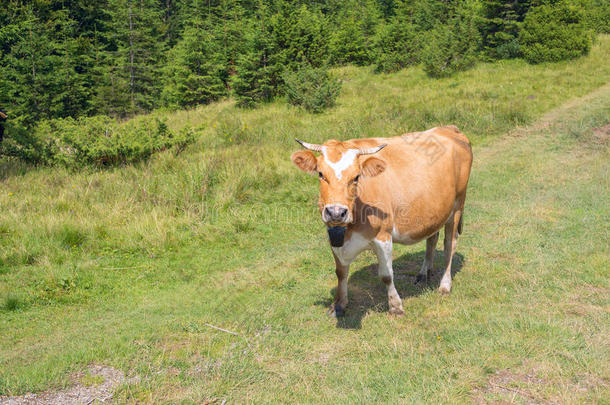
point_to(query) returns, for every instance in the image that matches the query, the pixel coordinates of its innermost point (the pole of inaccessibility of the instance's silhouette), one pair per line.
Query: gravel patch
(96, 385)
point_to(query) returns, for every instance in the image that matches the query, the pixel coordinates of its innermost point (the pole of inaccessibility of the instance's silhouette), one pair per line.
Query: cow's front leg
(383, 249)
(338, 307)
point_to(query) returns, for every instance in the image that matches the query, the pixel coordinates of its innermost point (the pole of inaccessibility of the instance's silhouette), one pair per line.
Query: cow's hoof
(421, 279)
(396, 311)
(336, 310)
(443, 289)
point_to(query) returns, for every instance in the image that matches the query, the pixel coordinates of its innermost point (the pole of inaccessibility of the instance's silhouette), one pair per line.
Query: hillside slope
(129, 268)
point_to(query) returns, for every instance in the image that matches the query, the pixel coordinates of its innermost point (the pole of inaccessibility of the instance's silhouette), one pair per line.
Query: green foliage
(315, 89)
(555, 32)
(98, 141)
(46, 64)
(352, 40)
(451, 48)
(134, 55)
(348, 45)
(120, 58)
(598, 16)
(21, 143)
(398, 46)
(301, 37)
(194, 71)
(258, 76)
(500, 25)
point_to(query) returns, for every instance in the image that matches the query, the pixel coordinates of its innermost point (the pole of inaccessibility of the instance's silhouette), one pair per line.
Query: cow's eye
(355, 180)
(321, 176)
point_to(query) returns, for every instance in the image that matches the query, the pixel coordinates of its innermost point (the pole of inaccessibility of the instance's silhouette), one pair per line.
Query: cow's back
(426, 173)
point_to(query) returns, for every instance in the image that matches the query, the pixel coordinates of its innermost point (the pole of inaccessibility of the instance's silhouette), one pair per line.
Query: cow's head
(339, 168)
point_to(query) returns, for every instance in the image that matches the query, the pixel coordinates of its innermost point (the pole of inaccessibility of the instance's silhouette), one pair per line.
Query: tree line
(74, 58)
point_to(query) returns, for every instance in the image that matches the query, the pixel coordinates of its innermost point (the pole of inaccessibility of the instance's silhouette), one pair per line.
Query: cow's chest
(352, 246)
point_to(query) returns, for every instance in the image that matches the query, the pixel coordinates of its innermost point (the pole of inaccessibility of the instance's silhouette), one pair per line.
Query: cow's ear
(305, 160)
(373, 166)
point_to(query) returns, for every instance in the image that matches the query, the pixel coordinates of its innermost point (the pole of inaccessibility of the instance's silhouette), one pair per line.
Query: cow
(377, 191)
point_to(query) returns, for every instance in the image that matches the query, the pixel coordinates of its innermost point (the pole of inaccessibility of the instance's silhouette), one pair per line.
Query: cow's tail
(460, 224)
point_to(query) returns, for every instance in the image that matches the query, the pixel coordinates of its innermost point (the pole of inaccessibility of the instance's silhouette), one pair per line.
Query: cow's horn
(310, 146)
(370, 151)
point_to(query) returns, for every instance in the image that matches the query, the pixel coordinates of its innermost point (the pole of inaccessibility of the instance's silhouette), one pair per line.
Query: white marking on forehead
(346, 161)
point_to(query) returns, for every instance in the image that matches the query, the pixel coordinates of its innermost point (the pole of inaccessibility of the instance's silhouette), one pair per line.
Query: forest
(63, 60)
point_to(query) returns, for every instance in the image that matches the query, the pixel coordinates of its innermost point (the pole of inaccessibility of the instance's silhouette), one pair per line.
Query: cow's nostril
(335, 213)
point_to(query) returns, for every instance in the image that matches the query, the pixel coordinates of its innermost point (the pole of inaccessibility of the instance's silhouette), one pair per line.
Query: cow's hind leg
(424, 274)
(340, 303)
(383, 249)
(451, 235)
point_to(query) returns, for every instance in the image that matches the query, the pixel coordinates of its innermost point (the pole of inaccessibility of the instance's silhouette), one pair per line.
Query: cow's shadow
(366, 292)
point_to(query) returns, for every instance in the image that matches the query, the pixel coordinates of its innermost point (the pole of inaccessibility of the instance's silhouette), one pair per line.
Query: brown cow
(413, 186)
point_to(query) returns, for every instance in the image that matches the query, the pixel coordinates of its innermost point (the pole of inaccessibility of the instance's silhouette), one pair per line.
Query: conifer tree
(194, 71)
(500, 25)
(135, 55)
(259, 70)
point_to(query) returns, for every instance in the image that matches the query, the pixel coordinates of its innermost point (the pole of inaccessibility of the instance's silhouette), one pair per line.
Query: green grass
(128, 266)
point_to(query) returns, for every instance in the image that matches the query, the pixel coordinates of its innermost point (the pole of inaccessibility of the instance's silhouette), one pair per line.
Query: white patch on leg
(347, 159)
(384, 255)
(351, 248)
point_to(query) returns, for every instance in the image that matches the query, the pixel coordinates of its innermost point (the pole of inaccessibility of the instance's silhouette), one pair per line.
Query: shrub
(598, 16)
(556, 32)
(21, 143)
(452, 47)
(98, 141)
(315, 89)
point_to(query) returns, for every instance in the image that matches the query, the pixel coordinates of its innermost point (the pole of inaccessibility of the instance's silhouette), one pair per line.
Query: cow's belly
(421, 224)
(351, 248)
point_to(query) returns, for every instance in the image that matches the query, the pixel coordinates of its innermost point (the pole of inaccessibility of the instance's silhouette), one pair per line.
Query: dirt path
(96, 385)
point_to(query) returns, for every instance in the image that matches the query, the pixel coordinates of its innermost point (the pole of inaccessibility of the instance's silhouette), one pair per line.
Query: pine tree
(259, 71)
(194, 71)
(45, 65)
(500, 27)
(134, 56)
(352, 40)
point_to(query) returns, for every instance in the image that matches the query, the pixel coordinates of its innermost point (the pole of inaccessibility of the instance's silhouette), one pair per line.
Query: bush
(552, 33)
(452, 47)
(98, 141)
(315, 89)
(598, 16)
(20, 143)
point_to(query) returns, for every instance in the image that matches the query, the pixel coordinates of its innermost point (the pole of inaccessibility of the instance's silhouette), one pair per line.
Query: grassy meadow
(129, 266)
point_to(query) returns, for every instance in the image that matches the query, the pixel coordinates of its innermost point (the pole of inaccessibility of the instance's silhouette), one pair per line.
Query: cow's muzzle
(335, 214)
(336, 234)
